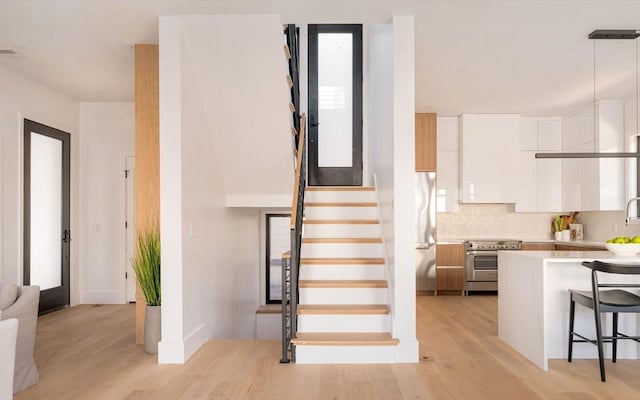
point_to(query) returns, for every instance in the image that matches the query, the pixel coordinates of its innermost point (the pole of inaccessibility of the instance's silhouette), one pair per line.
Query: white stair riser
(344, 323)
(342, 231)
(343, 296)
(333, 250)
(325, 196)
(346, 354)
(342, 272)
(340, 212)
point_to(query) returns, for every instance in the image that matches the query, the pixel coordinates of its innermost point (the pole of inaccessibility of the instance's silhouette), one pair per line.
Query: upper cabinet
(539, 182)
(490, 157)
(447, 177)
(426, 128)
(595, 184)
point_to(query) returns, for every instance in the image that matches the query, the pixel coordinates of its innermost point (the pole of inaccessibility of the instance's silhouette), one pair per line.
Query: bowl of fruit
(624, 246)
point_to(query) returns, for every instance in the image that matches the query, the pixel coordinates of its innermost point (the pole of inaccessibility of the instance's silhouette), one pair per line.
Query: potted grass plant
(146, 264)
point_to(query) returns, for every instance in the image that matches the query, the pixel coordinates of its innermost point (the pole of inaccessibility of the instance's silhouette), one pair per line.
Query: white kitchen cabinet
(448, 132)
(447, 164)
(540, 179)
(549, 134)
(490, 158)
(529, 133)
(447, 181)
(594, 184)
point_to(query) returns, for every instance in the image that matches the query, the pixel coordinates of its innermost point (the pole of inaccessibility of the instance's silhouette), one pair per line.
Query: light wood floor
(87, 352)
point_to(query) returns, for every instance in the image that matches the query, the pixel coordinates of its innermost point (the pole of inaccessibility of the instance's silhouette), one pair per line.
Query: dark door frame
(58, 297)
(334, 176)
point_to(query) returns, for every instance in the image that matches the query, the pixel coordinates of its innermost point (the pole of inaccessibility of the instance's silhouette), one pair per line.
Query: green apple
(635, 239)
(609, 241)
(619, 240)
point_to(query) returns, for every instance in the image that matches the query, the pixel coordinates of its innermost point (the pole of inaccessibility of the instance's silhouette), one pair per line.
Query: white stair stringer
(360, 354)
(344, 323)
(343, 230)
(339, 212)
(312, 195)
(342, 250)
(343, 294)
(346, 272)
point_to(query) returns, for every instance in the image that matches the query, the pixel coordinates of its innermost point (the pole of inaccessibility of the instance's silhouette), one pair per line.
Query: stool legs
(596, 310)
(572, 311)
(614, 340)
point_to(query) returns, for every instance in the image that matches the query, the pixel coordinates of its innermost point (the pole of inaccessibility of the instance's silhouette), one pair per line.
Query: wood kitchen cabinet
(450, 267)
(426, 128)
(538, 246)
(569, 247)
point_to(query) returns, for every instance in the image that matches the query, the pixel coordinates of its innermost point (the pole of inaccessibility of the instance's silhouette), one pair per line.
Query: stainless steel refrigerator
(425, 230)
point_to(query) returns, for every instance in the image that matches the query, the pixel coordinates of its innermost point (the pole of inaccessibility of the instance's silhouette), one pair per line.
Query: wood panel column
(147, 99)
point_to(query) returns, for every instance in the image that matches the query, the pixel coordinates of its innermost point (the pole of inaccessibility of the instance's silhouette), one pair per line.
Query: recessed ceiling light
(7, 52)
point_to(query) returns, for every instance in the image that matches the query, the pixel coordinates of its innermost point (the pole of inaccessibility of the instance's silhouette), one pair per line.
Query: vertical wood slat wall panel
(147, 143)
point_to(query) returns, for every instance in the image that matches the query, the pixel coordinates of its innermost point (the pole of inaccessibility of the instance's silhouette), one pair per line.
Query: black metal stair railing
(291, 261)
(292, 50)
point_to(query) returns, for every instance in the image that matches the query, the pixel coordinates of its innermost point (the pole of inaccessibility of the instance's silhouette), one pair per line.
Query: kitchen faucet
(631, 220)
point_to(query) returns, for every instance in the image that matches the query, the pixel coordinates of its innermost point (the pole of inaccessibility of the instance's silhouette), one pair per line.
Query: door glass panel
(279, 240)
(335, 99)
(46, 211)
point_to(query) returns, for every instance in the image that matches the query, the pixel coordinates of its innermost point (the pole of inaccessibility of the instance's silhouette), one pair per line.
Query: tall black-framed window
(278, 241)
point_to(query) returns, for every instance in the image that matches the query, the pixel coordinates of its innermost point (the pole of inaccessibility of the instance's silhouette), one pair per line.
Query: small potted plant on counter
(558, 224)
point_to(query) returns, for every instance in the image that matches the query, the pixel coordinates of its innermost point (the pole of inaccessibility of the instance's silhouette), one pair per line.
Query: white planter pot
(152, 329)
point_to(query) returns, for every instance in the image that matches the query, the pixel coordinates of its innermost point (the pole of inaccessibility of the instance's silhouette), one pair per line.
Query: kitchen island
(533, 304)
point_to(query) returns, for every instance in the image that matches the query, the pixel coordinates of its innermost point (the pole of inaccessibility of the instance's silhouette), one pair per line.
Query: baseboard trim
(101, 297)
(180, 352)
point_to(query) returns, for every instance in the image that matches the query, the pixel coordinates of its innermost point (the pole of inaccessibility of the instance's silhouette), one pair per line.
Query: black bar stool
(614, 301)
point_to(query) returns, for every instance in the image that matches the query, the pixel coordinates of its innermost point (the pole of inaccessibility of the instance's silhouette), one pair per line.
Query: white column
(404, 279)
(171, 346)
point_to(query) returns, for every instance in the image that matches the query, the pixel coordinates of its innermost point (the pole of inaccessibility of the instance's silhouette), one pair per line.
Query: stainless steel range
(481, 262)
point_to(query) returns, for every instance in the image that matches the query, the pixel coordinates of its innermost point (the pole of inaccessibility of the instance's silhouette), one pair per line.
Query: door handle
(314, 123)
(66, 237)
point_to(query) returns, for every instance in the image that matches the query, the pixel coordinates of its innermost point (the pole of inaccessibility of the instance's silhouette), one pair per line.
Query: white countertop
(576, 256)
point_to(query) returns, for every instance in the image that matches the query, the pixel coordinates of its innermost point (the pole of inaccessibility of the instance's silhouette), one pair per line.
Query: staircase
(343, 312)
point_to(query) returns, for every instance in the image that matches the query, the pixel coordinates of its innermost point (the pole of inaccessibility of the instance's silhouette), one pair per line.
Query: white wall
(108, 134)
(404, 318)
(22, 98)
(241, 74)
(210, 253)
(391, 161)
(379, 115)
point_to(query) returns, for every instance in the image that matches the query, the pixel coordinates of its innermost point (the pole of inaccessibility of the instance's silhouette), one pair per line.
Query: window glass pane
(46, 212)
(335, 99)
(279, 240)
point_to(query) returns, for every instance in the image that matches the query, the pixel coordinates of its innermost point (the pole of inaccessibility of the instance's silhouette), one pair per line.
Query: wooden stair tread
(342, 221)
(340, 204)
(342, 284)
(340, 188)
(344, 339)
(338, 261)
(343, 309)
(341, 240)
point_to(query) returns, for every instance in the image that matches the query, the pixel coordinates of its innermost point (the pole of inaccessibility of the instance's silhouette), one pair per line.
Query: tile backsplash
(493, 221)
(501, 221)
(603, 225)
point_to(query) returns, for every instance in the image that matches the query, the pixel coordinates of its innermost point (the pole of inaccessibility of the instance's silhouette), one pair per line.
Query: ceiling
(474, 56)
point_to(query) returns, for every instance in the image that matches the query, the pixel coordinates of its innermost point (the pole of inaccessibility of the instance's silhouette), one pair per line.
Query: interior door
(335, 105)
(47, 230)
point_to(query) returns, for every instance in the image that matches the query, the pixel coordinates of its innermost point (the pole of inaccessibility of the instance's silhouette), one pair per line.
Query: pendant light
(608, 34)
